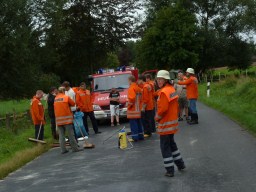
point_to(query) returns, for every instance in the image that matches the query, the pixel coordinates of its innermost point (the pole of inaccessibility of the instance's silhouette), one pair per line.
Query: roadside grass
(18, 106)
(16, 150)
(235, 98)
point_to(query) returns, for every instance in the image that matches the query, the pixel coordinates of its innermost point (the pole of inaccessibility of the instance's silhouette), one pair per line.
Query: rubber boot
(194, 119)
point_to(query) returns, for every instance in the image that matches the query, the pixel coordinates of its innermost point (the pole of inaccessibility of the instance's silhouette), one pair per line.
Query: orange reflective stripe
(166, 130)
(168, 123)
(133, 114)
(64, 117)
(66, 121)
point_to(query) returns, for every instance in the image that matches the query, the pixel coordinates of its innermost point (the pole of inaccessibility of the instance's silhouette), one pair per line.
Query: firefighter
(183, 101)
(133, 110)
(147, 106)
(84, 103)
(71, 93)
(152, 84)
(64, 120)
(167, 118)
(192, 94)
(37, 113)
(50, 101)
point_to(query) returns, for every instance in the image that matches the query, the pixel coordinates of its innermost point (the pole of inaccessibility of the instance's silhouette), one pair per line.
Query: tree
(17, 50)
(94, 28)
(111, 61)
(222, 22)
(238, 54)
(219, 22)
(171, 42)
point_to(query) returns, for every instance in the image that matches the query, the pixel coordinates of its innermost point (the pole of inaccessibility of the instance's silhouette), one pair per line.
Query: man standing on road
(182, 93)
(133, 110)
(50, 102)
(70, 92)
(167, 118)
(114, 97)
(152, 84)
(192, 94)
(147, 105)
(37, 113)
(64, 120)
(84, 103)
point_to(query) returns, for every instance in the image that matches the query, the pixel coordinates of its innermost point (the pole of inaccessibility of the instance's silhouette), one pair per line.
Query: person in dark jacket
(50, 102)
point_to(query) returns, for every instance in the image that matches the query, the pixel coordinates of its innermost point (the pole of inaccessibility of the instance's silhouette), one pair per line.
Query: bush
(48, 80)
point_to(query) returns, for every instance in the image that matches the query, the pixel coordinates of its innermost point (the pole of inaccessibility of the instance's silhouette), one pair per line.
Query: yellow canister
(122, 140)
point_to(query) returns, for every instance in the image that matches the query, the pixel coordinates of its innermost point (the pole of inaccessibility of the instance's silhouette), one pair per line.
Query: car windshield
(111, 81)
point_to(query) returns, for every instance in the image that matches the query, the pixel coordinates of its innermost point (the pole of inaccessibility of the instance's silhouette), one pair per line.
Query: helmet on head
(190, 70)
(163, 74)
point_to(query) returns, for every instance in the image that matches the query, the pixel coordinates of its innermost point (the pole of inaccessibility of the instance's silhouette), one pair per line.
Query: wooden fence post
(8, 121)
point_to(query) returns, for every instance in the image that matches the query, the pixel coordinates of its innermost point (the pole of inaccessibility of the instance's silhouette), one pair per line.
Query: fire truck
(101, 85)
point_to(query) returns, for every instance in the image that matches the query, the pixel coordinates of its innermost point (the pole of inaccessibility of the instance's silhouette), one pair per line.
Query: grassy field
(225, 71)
(235, 98)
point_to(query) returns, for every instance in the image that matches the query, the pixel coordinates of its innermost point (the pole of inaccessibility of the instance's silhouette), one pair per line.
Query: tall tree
(171, 42)
(95, 27)
(17, 50)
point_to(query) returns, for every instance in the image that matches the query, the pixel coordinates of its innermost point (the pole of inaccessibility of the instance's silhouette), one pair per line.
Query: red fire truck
(101, 84)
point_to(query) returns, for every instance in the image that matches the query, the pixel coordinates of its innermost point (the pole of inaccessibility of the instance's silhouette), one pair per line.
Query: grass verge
(235, 98)
(11, 105)
(23, 156)
(16, 150)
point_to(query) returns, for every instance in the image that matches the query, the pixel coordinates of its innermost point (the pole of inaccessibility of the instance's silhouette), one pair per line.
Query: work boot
(193, 120)
(180, 119)
(181, 167)
(63, 152)
(147, 135)
(169, 174)
(78, 150)
(132, 140)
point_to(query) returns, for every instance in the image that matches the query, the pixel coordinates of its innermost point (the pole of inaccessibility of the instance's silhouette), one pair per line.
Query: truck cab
(101, 85)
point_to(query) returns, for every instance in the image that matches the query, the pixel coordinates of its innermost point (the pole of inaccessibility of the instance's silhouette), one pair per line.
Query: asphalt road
(219, 155)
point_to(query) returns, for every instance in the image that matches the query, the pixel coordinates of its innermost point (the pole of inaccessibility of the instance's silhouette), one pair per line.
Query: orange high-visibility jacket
(167, 111)
(37, 111)
(75, 89)
(134, 100)
(192, 87)
(63, 113)
(84, 100)
(147, 97)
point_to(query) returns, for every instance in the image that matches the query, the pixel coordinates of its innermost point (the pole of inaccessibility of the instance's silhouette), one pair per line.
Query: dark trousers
(93, 120)
(153, 121)
(147, 121)
(41, 134)
(53, 128)
(193, 109)
(170, 152)
(136, 129)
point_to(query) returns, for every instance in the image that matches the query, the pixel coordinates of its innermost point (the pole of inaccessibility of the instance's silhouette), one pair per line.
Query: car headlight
(96, 108)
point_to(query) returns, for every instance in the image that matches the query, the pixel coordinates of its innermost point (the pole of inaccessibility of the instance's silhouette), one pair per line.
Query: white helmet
(190, 70)
(163, 74)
